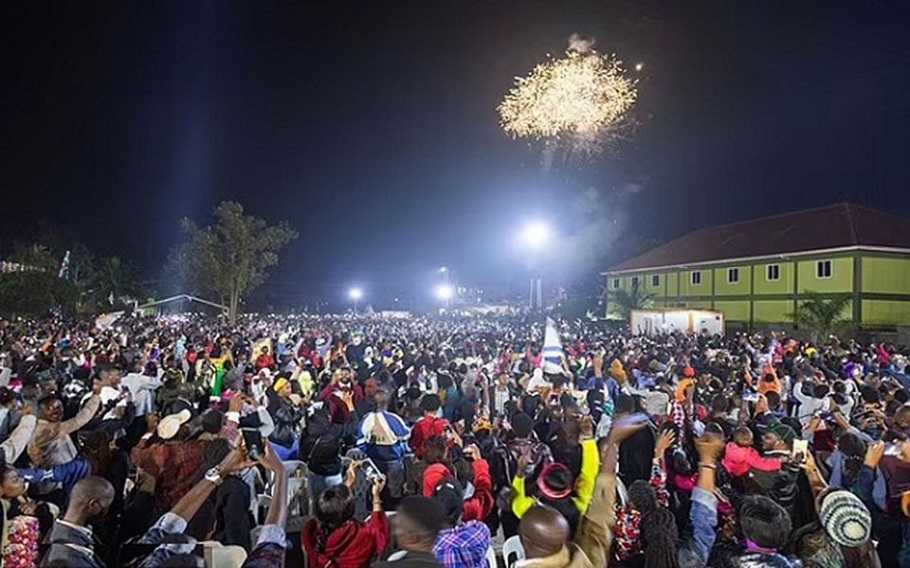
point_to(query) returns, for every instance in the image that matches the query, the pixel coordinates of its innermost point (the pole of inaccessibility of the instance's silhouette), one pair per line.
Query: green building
(756, 272)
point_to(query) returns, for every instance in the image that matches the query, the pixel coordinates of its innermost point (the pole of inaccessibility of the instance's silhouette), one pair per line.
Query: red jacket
(478, 507)
(338, 410)
(738, 460)
(426, 428)
(353, 545)
(264, 361)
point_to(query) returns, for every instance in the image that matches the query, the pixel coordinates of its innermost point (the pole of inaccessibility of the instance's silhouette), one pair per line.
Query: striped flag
(552, 350)
(65, 266)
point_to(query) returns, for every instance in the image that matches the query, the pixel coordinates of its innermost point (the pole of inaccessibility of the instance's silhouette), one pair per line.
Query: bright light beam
(445, 292)
(536, 234)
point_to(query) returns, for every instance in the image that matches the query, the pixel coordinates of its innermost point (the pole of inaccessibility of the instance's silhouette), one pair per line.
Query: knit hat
(846, 519)
(280, 383)
(782, 431)
(522, 425)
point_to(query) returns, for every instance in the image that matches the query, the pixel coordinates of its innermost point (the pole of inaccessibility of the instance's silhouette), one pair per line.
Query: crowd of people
(418, 442)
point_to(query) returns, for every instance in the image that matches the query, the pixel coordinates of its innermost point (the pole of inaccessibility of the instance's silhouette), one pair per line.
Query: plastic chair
(622, 491)
(491, 557)
(512, 551)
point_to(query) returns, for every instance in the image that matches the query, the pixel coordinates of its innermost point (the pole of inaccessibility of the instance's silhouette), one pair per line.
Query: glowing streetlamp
(535, 236)
(445, 292)
(355, 294)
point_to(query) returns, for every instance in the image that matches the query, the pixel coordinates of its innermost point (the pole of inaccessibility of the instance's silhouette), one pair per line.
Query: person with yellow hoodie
(555, 486)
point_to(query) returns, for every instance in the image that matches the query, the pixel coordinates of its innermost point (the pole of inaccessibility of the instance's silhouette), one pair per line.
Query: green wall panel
(886, 275)
(736, 311)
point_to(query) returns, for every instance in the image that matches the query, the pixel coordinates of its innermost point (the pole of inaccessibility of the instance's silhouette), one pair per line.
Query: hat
(554, 492)
(217, 554)
(280, 383)
(782, 431)
(451, 497)
(522, 425)
(170, 424)
(845, 518)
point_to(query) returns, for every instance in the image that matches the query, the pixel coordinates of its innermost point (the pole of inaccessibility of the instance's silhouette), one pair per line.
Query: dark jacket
(82, 554)
(321, 445)
(287, 422)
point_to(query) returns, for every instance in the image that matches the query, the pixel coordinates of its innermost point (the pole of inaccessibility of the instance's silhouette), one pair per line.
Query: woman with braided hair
(659, 538)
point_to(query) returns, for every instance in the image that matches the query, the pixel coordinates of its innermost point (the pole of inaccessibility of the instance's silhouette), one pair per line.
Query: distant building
(756, 272)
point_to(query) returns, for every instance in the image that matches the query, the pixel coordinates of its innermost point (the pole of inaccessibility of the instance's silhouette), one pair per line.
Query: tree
(822, 315)
(231, 257)
(622, 302)
(35, 294)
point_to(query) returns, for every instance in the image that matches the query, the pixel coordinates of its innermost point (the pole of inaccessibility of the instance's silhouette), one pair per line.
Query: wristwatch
(214, 476)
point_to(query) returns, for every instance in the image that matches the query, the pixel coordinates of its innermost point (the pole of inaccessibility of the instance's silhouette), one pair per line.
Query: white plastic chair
(512, 551)
(622, 491)
(491, 557)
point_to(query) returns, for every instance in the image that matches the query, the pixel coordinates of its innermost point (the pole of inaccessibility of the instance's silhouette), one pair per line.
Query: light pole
(535, 236)
(355, 294)
(445, 292)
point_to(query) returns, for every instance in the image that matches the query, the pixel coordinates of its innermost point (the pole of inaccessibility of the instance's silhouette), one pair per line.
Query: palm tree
(821, 315)
(622, 302)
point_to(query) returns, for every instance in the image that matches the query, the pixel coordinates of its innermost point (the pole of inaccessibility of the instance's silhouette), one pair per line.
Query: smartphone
(371, 471)
(252, 438)
(800, 450)
(751, 396)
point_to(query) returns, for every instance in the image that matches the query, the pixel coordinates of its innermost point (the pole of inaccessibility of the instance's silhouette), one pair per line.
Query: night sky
(371, 126)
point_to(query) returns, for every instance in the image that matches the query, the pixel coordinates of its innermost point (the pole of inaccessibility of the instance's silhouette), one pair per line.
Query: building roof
(839, 226)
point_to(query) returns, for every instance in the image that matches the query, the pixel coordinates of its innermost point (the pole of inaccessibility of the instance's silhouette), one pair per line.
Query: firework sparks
(577, 98)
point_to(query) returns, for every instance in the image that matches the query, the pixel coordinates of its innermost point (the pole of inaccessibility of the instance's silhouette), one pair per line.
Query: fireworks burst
(582, 100)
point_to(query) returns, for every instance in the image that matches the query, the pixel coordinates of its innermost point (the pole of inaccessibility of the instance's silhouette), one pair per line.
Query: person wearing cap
(174, 460)
(287, 418)
(842, 535)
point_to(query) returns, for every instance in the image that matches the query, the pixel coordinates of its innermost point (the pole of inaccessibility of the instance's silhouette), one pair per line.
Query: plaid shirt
(174, 466)
(463, 547)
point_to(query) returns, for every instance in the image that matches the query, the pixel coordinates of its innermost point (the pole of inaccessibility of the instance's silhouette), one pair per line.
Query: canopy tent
(161, 305)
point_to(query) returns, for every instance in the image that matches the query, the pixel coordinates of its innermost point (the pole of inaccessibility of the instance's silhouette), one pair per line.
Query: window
(616, 283)
(773, 272)
(655, 280)
(635, 281)
(823, 269)
(696, 277)
(733, 275)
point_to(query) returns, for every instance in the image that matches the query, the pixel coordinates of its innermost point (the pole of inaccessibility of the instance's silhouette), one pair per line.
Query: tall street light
(355, 294)
(535, 236)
